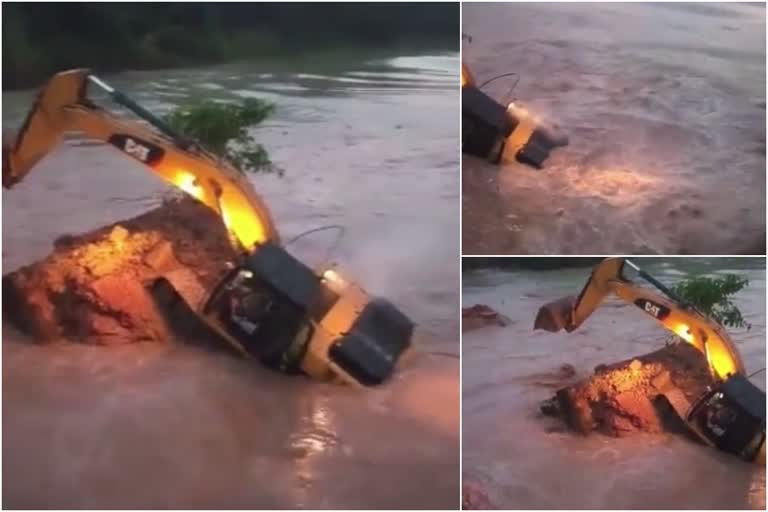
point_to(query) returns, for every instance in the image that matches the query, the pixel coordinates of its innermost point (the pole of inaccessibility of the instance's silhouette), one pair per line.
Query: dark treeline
(528, 263)
(42, 38)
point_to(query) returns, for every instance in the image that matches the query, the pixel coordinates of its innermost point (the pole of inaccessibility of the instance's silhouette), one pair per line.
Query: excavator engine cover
(732, 417)
(370, 349)
(274, 305)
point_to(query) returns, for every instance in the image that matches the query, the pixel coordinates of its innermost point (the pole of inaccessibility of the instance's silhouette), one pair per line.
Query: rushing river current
(369, 143)
(664, 105)
(524, 460)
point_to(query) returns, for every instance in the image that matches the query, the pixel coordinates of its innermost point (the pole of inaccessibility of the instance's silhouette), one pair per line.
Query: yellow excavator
(490, 129)
(270, 305)
(730, 415)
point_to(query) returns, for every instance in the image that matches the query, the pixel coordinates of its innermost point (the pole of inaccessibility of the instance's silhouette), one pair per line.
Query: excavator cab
(281, 312)
(731, 417)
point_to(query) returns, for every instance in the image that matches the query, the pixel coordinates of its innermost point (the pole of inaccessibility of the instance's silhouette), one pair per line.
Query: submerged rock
(94, 287)
(480, 315)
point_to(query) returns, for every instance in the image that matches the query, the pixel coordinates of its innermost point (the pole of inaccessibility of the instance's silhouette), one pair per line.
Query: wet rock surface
(481, 315)
(94, 287)
(627, 396)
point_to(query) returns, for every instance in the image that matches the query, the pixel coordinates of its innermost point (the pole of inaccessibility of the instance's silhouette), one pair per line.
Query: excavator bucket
(556, 315)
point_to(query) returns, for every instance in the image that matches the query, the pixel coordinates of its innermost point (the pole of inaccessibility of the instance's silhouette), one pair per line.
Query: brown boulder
(481, 315)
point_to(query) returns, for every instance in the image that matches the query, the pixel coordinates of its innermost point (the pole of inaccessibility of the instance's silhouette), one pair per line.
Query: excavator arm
(63, 107)
(663, 306)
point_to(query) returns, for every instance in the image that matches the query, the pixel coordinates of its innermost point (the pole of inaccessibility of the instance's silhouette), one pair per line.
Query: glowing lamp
(188, 183)
(684, 332)
(333, 276)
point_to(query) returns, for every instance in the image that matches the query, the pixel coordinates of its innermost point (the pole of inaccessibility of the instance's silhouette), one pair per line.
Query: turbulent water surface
(524, 460)
(665, 108)
(366, 143)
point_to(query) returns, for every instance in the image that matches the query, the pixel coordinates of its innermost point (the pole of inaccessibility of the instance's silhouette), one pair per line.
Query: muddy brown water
(523, 460)
(665, 109)
(369, 143)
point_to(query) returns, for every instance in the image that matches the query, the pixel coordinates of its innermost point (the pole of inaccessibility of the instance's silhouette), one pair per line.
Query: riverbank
(240, 48)
(529, 263)
(112, 38)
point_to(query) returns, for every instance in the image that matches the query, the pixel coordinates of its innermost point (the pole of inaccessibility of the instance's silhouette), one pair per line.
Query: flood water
(366, 142)
(525, 460)
(664, 105)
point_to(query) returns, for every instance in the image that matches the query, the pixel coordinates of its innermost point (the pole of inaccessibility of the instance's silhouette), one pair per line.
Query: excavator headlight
(332, 276)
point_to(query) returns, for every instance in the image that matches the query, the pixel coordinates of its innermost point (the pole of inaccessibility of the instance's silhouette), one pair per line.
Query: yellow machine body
(63, 106)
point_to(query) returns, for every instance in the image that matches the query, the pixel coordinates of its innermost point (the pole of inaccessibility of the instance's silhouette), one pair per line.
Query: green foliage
(223, 129)
(711, 295)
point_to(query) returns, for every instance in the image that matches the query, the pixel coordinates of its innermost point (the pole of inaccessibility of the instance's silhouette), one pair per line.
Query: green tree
(712, 296)
(222, 128)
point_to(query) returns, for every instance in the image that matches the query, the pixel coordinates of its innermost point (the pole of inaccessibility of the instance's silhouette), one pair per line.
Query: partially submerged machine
(270, 306)
(730, 415)
(490, 129)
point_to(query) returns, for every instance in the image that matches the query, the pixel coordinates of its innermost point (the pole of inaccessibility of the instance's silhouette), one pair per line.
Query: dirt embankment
(634, 395)
(95, 287)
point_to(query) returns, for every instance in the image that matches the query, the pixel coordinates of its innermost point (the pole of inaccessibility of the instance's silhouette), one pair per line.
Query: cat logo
(140, 149)
(658, 311)
(652, 308)
(135, 149)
